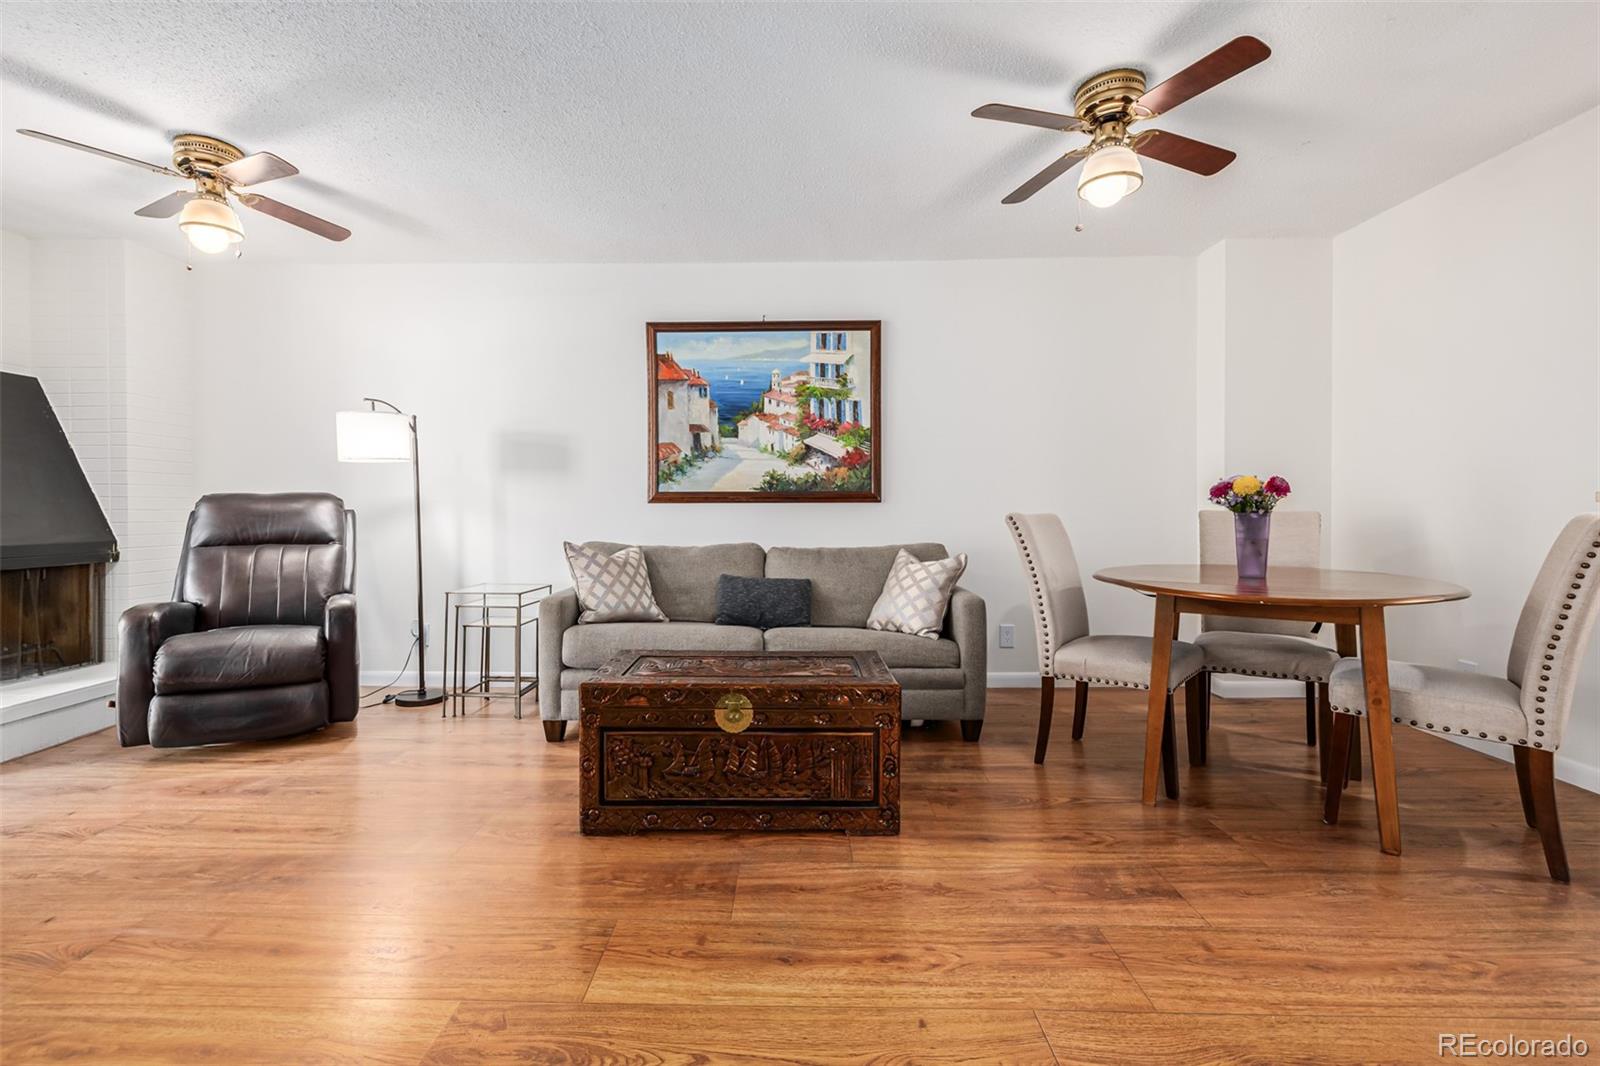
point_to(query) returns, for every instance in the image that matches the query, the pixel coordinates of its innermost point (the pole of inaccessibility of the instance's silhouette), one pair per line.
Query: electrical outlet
(1008, 636)
(427, 632)
(1467, 664)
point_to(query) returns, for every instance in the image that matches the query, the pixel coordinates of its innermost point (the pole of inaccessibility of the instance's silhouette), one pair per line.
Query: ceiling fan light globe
(210, 225)
(1109, 175)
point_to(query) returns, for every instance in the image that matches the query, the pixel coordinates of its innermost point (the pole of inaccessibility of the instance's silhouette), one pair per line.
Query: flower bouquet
(1251, 500)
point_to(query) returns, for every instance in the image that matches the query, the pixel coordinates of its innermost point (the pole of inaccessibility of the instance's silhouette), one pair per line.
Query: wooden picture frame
(764, 412)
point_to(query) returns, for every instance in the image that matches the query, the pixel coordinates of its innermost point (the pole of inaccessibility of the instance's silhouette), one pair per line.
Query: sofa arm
(968, 626)
(140, 632)
(344, 657)
(558, 613)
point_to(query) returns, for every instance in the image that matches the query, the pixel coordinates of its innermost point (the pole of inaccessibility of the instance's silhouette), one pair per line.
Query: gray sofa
(940, 679)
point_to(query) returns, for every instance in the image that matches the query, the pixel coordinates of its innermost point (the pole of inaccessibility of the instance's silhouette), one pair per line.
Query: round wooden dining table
(1353, 601)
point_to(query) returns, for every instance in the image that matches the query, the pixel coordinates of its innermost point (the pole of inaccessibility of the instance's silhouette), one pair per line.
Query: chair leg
(971, 729)
(1520, 755)
(1333, 788)
(1194, 718)
(1311, 714)
(1352, 771)
(1169, 751)
(1542, 783)
(1205, 716)
(1080, 708)
(1324, 731)
(1047, 701)
(555, 731)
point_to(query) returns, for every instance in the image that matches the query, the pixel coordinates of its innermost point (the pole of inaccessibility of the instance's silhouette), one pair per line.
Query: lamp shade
(1110, 174)
(374, 437)
(210, 224)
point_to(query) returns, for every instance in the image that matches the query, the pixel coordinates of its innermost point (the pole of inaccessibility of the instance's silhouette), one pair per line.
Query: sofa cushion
(239, 657)
(763, 602)
(897, 649)
(845, 582)
(684, 577)
(591, 645)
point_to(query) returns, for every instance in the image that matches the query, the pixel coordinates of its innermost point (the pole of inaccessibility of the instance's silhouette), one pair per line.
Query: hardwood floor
(410, 889)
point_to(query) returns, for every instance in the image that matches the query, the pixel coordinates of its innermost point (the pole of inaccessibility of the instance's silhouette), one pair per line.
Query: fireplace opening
(51, 618)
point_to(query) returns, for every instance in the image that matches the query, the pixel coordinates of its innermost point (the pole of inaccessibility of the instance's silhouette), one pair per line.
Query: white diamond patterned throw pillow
(612, 588)
(916, 594)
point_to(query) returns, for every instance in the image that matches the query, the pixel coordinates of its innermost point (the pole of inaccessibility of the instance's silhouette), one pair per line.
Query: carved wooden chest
(747, 740)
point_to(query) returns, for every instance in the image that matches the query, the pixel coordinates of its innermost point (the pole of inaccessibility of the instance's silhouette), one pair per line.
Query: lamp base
(419, 697)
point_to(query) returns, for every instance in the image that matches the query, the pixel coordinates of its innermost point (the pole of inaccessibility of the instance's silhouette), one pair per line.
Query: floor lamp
(374, 436)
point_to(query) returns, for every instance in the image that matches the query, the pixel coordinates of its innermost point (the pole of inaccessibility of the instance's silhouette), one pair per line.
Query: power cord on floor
(391, 696)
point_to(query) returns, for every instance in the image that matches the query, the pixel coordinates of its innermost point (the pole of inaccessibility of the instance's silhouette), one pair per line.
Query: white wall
(1466, 375)
(1265, 364)
(529, 383)
(16, 300)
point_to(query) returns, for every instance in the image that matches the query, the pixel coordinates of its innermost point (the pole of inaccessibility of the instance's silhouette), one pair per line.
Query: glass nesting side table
(482, 609)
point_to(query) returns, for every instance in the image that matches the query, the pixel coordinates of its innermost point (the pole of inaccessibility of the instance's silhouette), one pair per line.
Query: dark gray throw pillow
(763, 602)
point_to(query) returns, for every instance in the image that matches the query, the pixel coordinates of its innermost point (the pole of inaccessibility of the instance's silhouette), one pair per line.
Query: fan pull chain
(1077, 204)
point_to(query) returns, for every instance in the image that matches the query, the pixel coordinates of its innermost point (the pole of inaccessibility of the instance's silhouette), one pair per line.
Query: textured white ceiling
(504, 131)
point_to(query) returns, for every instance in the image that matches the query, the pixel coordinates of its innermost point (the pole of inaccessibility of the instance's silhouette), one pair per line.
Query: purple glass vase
(1250, 535)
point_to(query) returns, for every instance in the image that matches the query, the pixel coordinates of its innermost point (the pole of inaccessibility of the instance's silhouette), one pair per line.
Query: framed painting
(764, 412)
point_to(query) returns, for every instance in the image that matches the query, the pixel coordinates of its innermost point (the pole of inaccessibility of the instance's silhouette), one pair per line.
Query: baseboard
(1579, 774)
(387, 678)
(1014, 679)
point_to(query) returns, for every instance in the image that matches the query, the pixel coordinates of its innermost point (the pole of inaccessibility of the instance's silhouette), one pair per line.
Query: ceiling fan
(219, 171)
(1108, 104)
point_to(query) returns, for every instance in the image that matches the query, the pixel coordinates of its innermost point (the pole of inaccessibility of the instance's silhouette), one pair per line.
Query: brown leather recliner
(259, 640)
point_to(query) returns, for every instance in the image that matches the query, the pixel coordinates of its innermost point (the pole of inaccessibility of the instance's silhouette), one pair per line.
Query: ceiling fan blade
(154, 168)
(257, 168)
(1235, 57)
(167, 206)
(1029, 117)
(1174, 149)
(294, 216)
(1046, 176)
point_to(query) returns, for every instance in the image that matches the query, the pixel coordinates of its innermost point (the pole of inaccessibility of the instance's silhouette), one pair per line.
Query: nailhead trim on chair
(1264, 673)
(1430, 727)
(1551, 646)
(1101, 681)
(1039, 620)
(1117, 684)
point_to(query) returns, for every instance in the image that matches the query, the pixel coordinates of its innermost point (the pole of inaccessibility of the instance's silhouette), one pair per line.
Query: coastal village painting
(763, 412)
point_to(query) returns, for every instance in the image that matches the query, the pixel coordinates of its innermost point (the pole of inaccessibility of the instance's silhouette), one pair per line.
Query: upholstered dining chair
(1068, 651)
(1259, 647)
(1527, 709)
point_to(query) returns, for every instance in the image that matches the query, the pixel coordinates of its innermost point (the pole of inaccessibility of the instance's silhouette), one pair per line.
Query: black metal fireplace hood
(48, 514)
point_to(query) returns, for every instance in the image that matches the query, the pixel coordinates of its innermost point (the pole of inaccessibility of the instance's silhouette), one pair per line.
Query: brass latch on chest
(733, 713)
